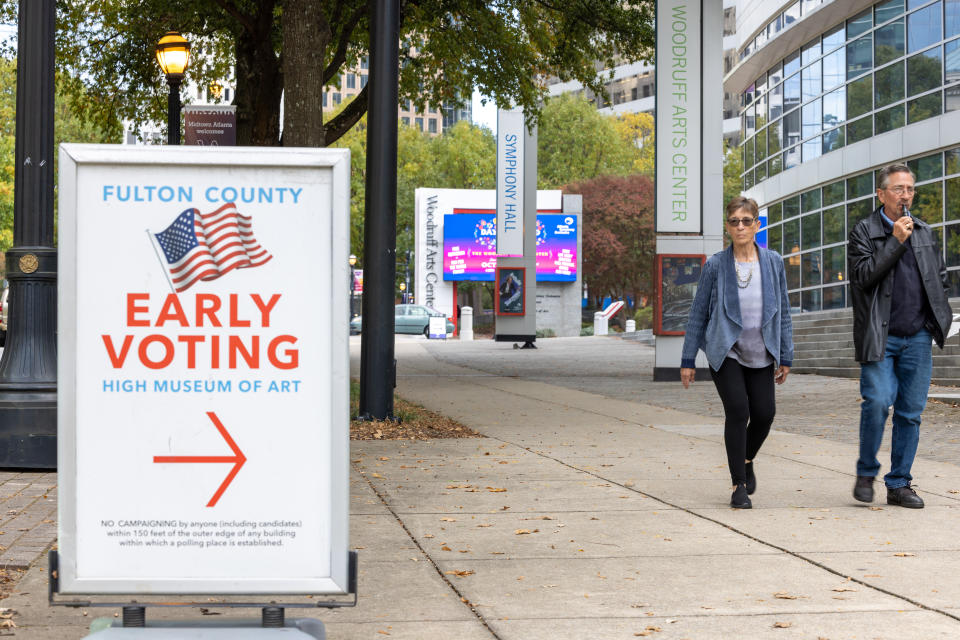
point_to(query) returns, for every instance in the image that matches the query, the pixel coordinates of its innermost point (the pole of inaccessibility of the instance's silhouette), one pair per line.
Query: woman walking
(741, 319)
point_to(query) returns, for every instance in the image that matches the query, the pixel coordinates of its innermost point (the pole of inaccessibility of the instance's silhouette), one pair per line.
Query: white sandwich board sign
(203, 370)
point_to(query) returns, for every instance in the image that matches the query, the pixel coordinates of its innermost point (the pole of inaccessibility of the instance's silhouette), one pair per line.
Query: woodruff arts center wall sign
(203, 370)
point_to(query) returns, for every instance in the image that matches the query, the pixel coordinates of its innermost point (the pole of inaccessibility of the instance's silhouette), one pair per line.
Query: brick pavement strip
(28, 512)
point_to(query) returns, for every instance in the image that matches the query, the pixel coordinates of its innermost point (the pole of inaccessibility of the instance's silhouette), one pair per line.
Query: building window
(405, 120)
(419, 123)
(336, 98)
(351, 81)
(324, 99)
(432, 124)
(363, 81)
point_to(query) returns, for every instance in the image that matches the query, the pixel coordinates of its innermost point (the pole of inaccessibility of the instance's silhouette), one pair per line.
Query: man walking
(898, 285)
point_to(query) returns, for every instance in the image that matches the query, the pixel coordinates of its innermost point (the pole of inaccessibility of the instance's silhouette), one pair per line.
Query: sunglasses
(736, 222)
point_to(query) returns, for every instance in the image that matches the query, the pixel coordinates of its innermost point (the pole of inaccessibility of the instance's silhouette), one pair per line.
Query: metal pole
(173, 110)
(28, 369)
(377, 366)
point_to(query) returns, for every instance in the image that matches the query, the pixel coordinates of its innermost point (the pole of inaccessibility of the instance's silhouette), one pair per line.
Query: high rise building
(831, 91)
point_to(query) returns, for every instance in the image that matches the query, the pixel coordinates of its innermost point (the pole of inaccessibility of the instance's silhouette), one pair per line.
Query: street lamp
(403, 292)
(353, 261)
(173, 56)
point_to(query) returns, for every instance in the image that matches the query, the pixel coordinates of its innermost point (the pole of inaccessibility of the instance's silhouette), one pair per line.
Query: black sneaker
(739, 499)
(751, 479)
(863, 490)
(904, 497)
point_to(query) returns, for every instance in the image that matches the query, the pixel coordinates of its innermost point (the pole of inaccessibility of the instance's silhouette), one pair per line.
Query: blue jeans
(901, 379)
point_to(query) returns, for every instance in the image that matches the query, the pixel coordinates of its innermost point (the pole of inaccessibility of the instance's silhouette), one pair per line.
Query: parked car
(408, 318)
(4, 310)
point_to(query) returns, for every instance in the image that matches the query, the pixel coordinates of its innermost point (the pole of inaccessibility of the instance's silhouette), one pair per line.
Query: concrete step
(805, 354)
(837, 336)
(836, 372)
(814, 324)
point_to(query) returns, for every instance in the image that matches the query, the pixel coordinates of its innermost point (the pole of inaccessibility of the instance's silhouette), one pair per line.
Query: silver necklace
(742, 282)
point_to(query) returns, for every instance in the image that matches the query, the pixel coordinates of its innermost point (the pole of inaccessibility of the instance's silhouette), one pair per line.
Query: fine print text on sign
(203, 364)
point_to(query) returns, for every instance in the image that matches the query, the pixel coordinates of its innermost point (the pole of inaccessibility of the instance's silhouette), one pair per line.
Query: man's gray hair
(884, 176)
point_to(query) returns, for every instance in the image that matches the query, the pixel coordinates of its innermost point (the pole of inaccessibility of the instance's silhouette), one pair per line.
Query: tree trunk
(306, 36)
(259, 87)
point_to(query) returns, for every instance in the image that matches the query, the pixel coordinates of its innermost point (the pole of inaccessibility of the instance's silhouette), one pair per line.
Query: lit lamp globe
(173, 56)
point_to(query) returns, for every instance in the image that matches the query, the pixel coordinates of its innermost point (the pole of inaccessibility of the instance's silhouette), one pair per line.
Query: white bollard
(631, 326)
(466, 323)
(599, 324)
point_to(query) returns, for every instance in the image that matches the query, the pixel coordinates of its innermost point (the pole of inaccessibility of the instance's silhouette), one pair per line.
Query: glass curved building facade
(846, 88)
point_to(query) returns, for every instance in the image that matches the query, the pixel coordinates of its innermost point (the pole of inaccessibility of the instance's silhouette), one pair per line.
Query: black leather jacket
(871, 256)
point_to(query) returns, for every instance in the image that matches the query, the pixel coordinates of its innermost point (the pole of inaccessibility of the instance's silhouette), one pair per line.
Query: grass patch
(416, 423)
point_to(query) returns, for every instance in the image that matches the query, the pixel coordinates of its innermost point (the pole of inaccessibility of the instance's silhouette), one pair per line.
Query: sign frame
(333, 167)
(500, 304)
(511, 155)
(658, 300)
(679, 171)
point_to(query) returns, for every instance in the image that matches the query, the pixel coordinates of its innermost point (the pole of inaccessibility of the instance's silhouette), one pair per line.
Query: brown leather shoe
(904, 497)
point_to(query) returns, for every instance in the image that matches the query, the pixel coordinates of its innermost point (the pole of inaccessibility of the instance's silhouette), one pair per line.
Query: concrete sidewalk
(585, 515)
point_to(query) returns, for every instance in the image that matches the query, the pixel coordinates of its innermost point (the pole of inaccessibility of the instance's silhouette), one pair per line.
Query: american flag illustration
(204, 246)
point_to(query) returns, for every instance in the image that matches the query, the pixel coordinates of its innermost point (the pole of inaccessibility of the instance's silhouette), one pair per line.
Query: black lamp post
(173, 56)
(28, 369)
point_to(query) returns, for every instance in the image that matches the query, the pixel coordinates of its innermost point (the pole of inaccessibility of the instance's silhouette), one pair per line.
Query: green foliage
(732, 179)
(464, 157)
(576, 142)
(644, 318)
(546, 333)
(448, 47)
(68, 127)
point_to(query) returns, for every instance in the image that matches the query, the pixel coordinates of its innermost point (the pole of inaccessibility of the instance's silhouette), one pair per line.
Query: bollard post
(599, 324)
(466, 323)
(631, 326)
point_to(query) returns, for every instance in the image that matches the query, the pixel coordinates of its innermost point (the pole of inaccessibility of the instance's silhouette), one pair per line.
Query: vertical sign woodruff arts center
(203, 370)
(678, 120)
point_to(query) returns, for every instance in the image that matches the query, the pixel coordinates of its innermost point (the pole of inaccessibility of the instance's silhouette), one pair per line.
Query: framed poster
(677, 277)
(510, 294)
(203, 370)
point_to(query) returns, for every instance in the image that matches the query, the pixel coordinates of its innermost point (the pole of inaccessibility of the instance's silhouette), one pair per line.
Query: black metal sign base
(272, 613)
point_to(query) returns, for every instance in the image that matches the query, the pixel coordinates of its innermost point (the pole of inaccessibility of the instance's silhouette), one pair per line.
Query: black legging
(748, 397)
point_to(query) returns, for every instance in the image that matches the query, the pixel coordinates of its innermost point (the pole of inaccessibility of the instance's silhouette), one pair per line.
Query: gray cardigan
(714, 322)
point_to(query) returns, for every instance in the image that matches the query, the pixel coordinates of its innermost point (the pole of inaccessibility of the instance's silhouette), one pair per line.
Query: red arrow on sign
(238, 459)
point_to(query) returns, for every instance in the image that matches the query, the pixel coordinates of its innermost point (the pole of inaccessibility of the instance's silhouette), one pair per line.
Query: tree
(732, 174)
(576, 142)
(619, 241)
(639, 129)
(67, 128)
(295, 48)
(464, 157)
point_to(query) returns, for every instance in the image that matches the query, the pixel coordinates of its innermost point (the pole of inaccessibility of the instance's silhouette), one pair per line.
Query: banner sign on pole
(678, 175)
(210, 124)
(203, 370)
(511, 131)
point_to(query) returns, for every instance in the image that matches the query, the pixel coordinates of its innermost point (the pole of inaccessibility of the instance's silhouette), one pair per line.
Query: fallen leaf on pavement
(448, 519)
(495, 489)
(521, 532)
(459, 574)
(903, 554)
(783, 595)
(782, 625)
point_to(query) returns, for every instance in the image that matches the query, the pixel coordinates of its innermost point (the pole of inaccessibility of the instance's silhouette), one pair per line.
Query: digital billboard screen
(470, 247)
